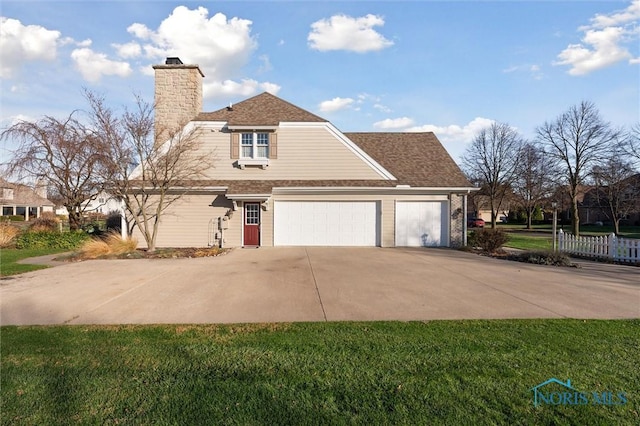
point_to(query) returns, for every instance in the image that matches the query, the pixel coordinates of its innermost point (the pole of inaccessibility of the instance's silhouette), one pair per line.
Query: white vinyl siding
(325, 223)
(421, 224)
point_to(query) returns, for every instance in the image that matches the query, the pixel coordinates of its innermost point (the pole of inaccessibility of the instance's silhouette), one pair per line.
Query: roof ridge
(262, 109)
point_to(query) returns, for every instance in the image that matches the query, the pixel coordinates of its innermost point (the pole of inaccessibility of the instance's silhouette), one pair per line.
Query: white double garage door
(357, 223)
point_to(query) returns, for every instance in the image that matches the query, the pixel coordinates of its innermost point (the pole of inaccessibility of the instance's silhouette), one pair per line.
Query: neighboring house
(23, 200)
(103, 203)
(593, 207)
(286, 177)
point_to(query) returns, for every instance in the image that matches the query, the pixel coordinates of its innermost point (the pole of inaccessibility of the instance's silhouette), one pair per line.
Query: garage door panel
(421, 224)
(326, 223)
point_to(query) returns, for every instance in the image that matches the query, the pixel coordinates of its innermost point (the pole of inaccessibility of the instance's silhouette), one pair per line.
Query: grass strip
(527, 242)
(10, 257)
(438, 372)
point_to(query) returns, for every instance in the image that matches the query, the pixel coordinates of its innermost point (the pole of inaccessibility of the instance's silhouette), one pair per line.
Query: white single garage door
(325, 223)
(422, 224)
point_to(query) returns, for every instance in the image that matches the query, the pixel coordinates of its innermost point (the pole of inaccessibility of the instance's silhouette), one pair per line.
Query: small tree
(65, 154)
(576, 141)
(617, 189)
(147, 175)
(491, 159)
(533, 180)
(631, 145)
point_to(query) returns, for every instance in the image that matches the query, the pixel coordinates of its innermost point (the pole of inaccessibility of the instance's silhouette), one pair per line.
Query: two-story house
(284, 176)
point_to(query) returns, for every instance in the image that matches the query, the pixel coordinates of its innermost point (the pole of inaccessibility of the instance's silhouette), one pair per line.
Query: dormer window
(7, 193)
(255, 145)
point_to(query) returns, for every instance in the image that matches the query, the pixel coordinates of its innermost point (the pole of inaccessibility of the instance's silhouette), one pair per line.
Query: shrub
(48, 239)
(92, 228)
(119, 245)
(93, 248)
(14, 218)
(112, 244)
(7, 234)
(544, 258)
(113, 221)
(487, 239)
(47, 221)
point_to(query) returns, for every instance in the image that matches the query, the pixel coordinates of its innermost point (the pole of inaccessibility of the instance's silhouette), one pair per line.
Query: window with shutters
(255, 145)
(253, 149)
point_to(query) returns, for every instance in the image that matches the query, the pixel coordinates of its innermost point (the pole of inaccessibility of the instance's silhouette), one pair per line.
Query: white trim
(248, 161)
(248, 197)
(369, 189)
(348, 143)
(210, 124)
(191, 188)
(253, 128)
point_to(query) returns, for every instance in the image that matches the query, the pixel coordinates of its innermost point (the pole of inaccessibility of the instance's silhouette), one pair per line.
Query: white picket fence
(610, 246)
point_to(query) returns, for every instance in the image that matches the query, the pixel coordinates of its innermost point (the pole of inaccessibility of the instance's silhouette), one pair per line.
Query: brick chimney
(178, 96)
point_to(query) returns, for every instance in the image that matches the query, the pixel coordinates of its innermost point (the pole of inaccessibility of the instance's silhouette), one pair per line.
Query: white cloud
(265, 65)
(24, 43)
(382, 108)
(342, 32)
(625, 16)
(604, 42)
(335, 104)
(454, 132)
(246, 87)
(128, 50)
(605, 50)
(455, 138)
(534, 71)
(94, 65)
(140, 31)
(394, 123)
(84, 43)
(220, 46)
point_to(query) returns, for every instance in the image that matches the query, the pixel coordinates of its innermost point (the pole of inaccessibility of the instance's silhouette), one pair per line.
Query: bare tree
(148, 175)
(577, 140)
(532, 182)
(631, 145)
(63, 153)
(492, 158)
(617, 190)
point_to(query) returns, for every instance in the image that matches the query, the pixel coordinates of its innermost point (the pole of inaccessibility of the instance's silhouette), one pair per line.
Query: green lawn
(438, 372)
(625, 231)
(528, 242)
(9, 257)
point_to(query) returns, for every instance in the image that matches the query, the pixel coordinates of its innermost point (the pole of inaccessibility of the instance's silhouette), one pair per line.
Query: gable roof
(23, 195)
(264, 109)
(416, 159)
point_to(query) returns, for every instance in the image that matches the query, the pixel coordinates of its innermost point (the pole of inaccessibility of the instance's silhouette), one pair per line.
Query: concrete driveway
(316, 284)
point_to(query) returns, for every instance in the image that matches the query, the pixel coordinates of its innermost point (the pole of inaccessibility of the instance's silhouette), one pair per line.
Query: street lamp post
(555, 223)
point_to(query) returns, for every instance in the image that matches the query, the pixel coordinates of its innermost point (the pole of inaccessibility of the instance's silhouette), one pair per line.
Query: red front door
(251, 224)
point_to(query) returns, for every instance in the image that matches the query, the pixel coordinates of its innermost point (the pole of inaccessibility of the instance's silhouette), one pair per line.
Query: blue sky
(448, 67)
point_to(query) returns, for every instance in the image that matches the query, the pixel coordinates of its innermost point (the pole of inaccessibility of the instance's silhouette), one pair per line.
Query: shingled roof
(416, 159)
(264, 109)
(23, 195)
